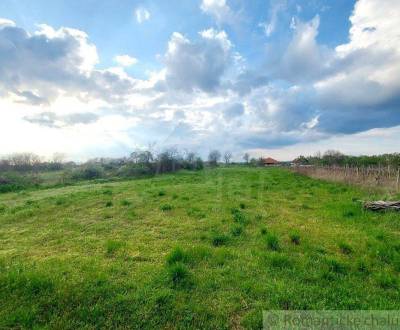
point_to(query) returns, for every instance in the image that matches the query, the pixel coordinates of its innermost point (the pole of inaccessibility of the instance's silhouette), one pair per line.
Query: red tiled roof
(269, 160)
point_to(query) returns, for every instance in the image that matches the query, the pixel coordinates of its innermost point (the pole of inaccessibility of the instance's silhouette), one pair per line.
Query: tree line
(336, 158)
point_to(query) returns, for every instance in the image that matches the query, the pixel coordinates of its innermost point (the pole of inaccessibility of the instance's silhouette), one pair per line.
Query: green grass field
(208, 249)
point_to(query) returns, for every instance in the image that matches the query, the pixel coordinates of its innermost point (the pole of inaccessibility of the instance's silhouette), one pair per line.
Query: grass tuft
(166, 207)
(179, 275)
(125, 202)
(177, 255)
(272, 242)
(112, 247)
(219, 239)
(295, 238)
(345, 248)
(237, 230)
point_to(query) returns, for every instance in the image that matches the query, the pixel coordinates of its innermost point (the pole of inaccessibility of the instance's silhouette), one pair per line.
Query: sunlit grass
(202, 249)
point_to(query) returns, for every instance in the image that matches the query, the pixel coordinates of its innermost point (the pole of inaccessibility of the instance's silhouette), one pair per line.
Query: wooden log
(382, 205)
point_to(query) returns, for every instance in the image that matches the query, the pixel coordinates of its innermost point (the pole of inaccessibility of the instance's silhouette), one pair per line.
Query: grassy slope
(100, 255)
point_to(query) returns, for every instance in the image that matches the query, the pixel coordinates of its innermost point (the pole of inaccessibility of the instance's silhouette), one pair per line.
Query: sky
(274, 78)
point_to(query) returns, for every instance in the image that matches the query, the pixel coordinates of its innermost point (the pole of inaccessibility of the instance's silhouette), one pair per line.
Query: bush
(88, 172)
(135, 170)
(109, 204)
(15, 182)
(272, 242)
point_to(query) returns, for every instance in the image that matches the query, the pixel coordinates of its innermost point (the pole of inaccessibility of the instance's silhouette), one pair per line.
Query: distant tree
(246, 157)
(58, 157)
(227, 157)
(141, 157)
(214, 157)
(253, 162)
(198, 164)
(24, 161)
(333, 157)
(301, 160)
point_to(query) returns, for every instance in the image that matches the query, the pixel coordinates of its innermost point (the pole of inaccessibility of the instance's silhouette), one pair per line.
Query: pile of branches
(382, 206)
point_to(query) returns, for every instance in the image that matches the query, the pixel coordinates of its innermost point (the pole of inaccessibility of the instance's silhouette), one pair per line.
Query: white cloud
(219, 10)
(125, 60)
(6, 22)
(142, 15)
(200, 64)
(276, 8)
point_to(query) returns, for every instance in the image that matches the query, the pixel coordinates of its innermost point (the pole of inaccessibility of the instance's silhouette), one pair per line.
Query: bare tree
(227, 157)
(213, 157)
(246, 157)
(58, 157)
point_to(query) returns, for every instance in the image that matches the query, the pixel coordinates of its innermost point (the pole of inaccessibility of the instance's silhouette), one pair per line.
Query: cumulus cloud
(125, 60)
(142, 15)
(200, 64)
(219, 10)
(364, 89)
(37, 67)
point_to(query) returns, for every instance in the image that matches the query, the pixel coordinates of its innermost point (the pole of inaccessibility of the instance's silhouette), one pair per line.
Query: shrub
(166, 207)
(272, 242)
(15, 182)
(345, 248)
(295, 238)
(263, 230)
(109, 204)
(135, 170)
(161, 193)
(219, 239)
(88, 172)
(242, 205)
